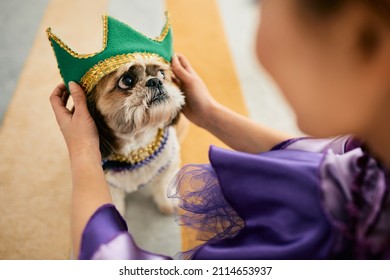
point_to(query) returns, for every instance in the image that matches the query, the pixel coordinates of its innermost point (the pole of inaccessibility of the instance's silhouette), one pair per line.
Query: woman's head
(331, 58)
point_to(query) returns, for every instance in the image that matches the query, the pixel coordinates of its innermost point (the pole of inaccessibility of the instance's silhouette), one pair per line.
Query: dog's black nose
(154, 82)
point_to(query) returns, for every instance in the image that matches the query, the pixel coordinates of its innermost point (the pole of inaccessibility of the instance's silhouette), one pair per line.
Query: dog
(135, 109)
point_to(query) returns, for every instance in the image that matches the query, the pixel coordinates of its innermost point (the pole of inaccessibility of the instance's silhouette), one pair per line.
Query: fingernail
(72, 86)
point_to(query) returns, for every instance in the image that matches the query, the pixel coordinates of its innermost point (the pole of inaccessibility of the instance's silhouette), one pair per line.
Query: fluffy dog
(135, 108)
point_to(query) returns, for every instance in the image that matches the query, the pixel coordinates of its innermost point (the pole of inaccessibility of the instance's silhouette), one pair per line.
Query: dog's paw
(166, 210)
(165, 206)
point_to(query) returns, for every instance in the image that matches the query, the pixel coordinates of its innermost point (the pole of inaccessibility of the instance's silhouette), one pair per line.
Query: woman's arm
(241, 133)
(90, 190)
(236, 131)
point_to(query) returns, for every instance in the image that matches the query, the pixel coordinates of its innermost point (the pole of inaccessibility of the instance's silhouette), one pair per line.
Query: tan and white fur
(129, 106)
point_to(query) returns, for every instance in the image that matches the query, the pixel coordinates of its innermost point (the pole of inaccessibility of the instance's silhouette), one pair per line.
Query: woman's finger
(79, 98)
(185, 63)
(58, 105)
(65, 97)
(177, 81)
(180, 72)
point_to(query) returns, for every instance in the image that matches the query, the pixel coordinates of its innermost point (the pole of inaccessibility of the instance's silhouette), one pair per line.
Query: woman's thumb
(78, 96)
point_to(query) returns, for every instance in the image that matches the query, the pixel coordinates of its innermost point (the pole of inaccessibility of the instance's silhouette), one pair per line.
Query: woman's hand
(77, 126)
(199, 102)
(236, 131)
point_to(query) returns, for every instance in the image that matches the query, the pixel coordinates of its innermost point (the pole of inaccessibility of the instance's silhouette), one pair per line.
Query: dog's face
(138, 96)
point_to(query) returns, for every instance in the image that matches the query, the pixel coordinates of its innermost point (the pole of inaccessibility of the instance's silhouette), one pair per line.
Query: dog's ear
(107, 140)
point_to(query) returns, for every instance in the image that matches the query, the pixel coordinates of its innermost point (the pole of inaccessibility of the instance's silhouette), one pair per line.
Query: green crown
(121, 44)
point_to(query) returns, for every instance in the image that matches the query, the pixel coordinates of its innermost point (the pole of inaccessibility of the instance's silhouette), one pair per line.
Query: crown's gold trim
(104, 67)
(64, 46)
(141, 154)
(51, 35)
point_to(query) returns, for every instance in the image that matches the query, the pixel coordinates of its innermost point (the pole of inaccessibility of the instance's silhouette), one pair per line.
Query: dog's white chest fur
(154, 175)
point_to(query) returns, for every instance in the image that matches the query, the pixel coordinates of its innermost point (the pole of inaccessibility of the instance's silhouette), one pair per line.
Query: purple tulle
(203, 206)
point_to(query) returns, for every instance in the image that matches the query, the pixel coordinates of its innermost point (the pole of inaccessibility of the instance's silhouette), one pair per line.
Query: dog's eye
(162, 73)
(125, 82)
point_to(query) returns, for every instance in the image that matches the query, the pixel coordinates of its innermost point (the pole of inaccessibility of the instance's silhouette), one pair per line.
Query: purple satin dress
(304, 199)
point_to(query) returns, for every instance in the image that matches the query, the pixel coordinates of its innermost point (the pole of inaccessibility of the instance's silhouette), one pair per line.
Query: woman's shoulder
(355, 195)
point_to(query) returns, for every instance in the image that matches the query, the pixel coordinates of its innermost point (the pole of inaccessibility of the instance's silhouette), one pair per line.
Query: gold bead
(143, 153)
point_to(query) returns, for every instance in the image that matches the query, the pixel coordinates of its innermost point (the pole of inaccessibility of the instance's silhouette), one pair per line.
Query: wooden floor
(200, 36)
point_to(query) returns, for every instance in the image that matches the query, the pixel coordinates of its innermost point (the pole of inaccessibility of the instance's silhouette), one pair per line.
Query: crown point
(48, 32)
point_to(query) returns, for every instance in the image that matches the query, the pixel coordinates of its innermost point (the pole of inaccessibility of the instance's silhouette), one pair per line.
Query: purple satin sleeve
(106, 237)
(278, 197)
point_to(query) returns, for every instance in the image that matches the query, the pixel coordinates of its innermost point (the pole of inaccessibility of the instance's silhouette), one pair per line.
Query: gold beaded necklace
(140, 154)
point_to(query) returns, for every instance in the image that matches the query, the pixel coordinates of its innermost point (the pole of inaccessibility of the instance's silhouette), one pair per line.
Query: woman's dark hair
(369, 39)
(322, 7)
(330, 7)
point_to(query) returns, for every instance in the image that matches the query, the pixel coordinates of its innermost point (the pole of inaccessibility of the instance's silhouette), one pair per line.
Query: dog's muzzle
(158, 90)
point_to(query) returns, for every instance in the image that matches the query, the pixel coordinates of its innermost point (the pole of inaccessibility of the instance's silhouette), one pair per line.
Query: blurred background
(217, 36)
